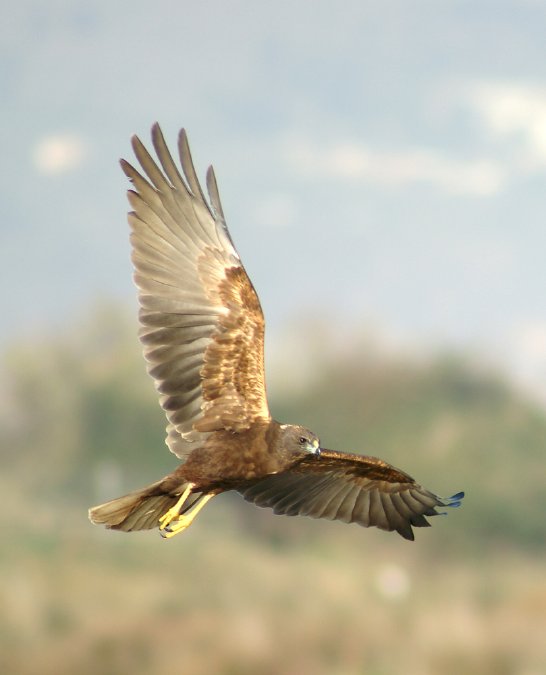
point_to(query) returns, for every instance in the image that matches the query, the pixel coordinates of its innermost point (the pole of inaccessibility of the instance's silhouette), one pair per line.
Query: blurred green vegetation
(245, 591)
(82, 404)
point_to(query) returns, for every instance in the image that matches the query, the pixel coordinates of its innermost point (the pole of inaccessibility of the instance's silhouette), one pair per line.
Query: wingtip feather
(455, 500)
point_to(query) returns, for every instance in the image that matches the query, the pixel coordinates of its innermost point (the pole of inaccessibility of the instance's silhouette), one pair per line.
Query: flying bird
(202, 331)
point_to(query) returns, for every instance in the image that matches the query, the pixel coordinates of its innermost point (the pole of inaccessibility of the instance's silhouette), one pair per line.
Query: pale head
(299, 440)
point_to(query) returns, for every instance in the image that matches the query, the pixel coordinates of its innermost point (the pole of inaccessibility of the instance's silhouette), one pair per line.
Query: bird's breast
(228, 457)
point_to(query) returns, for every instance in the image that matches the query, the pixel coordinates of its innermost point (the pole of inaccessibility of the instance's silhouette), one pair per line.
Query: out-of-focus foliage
(244, 591)
(449, 424)
(80, 402)
(82, 409)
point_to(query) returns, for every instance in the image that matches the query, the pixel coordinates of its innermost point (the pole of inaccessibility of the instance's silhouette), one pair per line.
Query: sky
(380, 163)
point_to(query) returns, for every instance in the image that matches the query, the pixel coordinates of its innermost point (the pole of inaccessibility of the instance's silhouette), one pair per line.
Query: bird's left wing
(202, 326)
(350, 488)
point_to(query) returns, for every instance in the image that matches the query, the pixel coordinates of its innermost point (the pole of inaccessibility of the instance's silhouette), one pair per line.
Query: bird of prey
(202, 331)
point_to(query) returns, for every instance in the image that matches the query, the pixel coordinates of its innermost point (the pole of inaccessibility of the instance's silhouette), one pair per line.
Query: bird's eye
(303, 440)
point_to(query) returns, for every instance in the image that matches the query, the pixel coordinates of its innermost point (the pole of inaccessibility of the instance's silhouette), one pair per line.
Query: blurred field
(244, 591)
(217, 601)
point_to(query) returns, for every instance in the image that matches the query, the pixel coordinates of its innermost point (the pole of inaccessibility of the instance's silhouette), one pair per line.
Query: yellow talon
(167, 517)
(179, 525)
(182, 522)
(174, 511)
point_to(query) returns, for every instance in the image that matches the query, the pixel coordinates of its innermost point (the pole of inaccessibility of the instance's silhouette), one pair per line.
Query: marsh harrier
(202, 330)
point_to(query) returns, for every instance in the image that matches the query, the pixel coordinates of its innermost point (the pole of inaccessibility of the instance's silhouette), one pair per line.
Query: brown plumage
(202, 330)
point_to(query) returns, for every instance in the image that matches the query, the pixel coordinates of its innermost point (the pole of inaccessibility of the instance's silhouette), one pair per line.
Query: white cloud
(514, 111)
(59, 153)
(532, 338)
(354, 161)
(527, 356)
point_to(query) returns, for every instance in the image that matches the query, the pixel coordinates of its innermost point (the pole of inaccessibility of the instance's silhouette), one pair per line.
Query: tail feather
(138, 510)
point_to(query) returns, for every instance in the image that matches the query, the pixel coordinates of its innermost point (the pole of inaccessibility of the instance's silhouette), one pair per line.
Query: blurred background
(382, 170)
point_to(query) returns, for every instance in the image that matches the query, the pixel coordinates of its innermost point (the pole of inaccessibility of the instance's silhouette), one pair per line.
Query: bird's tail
(141, 509)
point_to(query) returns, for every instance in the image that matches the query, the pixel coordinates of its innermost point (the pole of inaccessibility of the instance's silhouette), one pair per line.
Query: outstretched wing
(202, 326)
(350, 488)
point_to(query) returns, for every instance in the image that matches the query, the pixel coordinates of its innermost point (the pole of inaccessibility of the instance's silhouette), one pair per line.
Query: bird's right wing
(350, 488)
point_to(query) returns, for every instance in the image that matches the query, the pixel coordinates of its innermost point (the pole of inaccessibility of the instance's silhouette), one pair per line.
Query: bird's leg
(181, 522)
(174, 511)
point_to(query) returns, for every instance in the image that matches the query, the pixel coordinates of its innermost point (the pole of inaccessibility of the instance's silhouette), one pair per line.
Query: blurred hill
(245, 591)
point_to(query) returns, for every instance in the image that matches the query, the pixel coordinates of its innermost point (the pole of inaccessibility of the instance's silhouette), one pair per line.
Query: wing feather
(347, 506)
(361, 511)
(202, 327)
(350, 488)
(212, 188)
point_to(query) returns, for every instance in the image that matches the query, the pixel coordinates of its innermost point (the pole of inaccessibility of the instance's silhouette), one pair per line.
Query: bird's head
(300, 440)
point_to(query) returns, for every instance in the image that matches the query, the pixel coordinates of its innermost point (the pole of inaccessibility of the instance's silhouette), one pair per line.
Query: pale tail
(139, 510)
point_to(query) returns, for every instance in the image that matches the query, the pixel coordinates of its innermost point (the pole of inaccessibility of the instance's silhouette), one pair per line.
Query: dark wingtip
(126, 168)
(454, 501)
(183, 137)
(407, 534)
(135, 141)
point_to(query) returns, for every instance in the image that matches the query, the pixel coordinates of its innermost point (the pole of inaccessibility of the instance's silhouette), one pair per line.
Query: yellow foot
(174, 512)
(179, 523)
